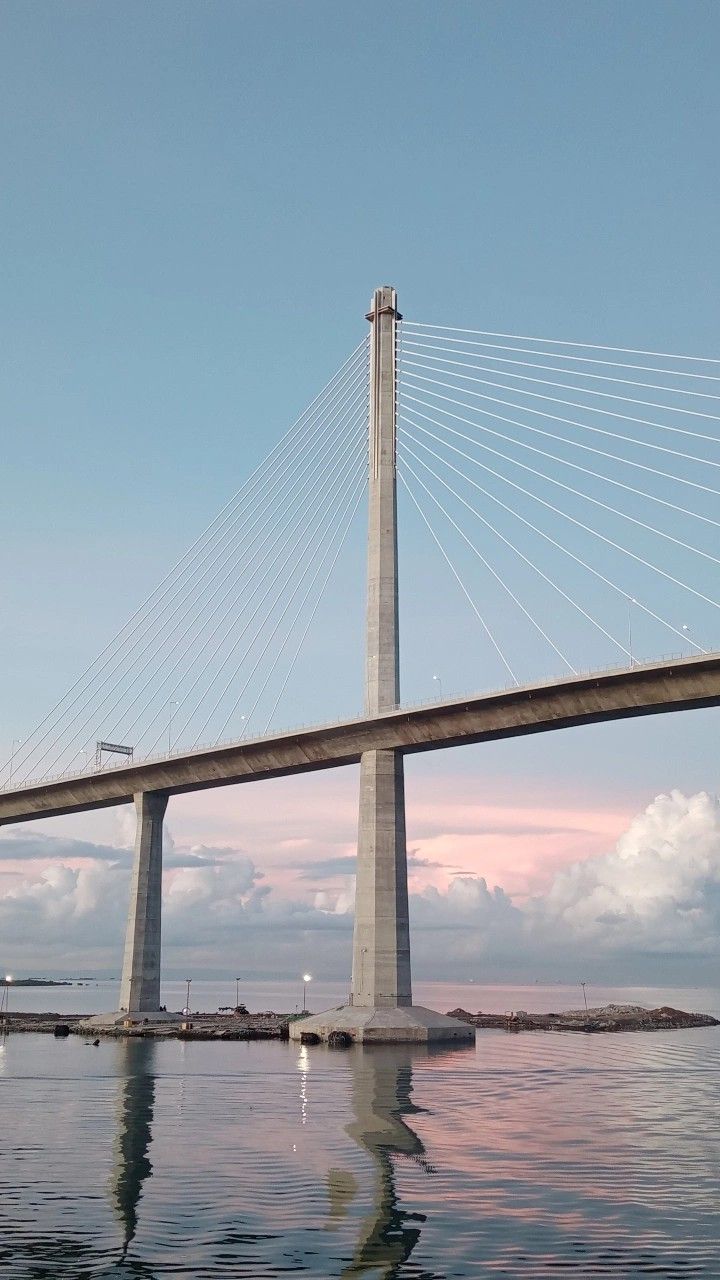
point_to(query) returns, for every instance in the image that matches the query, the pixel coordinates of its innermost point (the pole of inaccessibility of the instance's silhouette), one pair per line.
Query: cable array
(572, 488)
(211, 651)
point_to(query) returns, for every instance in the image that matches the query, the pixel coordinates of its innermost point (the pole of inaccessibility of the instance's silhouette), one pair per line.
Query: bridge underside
(679, 685)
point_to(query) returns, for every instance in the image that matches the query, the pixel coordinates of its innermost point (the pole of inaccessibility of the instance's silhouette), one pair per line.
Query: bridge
(371, 424)
(680, 684)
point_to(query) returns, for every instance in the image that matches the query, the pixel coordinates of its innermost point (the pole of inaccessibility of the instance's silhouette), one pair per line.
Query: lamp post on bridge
(15, 743)
(172, 706)
(630, 602)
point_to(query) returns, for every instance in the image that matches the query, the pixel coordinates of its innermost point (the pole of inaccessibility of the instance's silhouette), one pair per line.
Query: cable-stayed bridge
(679, 684)
(568, 493)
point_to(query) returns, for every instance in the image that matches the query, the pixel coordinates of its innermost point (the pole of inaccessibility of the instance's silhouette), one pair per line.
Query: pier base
(411, 1024)
(129, 1021)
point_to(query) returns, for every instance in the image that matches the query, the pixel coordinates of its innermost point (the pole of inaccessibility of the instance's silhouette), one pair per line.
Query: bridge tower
(381, 942)
(381, 1007)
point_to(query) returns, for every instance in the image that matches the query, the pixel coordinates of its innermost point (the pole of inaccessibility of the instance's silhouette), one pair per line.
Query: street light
(307, 977)
(439, 684)
(171, 705)
(5, 1002)
(694, 644)
(630, 602)
(237, 992)
(15, 743)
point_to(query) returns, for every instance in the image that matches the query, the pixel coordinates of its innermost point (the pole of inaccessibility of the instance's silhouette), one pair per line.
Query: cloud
(658, 889)
(72, 910)
(653, 900)
(64, 910)
(325, 868)
(467, 904)
(648, 906)
(199, 855)
(345, 864)
(24, 844)
(643, 909)
(28, 845)
(217, 890)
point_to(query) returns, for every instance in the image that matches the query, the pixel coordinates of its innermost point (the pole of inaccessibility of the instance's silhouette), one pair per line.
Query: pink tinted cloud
(513, 838)
(502, 828)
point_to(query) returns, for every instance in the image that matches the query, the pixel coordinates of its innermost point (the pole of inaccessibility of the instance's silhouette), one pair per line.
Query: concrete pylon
(381, 1007)
(381, 942)
(140, 986)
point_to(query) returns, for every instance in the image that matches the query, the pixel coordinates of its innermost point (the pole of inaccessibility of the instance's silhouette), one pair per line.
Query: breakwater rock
(609, 1017)
(198, 1026)
(40, 1021)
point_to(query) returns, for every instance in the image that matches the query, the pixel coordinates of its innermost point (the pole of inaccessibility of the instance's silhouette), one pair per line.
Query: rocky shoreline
(609, 1017)
(199, 1026)
(275, 1026)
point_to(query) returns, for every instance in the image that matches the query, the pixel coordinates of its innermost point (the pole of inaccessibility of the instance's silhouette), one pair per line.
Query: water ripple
(530, 1155)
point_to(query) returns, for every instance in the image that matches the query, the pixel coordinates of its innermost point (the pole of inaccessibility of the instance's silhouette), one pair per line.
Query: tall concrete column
(140, 987)
(381, 1008)
(381, 943)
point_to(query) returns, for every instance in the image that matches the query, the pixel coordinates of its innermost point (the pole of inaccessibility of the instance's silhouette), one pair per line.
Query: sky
(196, 202)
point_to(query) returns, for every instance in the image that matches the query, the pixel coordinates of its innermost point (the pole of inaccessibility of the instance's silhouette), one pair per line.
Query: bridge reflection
(135, 1106)
(382, 1102)
(382, 1106)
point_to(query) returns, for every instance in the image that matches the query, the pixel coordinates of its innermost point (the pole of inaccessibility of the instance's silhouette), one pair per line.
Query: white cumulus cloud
(660, 886)
(653, 900)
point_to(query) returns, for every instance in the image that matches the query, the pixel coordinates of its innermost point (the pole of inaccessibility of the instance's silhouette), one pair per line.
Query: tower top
(384, 302)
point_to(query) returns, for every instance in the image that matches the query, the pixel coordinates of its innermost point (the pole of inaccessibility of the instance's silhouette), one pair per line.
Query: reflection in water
(381, 1099)
(586, 1155)
(131, 1163)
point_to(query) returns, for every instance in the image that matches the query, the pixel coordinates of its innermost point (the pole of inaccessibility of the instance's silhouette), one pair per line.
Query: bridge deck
(677, 685)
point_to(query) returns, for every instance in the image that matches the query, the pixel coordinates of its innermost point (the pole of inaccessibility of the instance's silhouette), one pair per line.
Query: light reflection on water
(531, 1154)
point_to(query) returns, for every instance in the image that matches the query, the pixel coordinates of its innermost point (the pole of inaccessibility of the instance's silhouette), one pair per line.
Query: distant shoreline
(43, 982)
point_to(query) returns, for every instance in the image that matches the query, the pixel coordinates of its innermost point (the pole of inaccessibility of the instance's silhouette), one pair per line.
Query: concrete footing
(138, 1018)
(412, 1024)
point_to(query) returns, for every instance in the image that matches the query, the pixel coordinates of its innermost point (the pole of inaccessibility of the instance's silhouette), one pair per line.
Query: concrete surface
(139, 1018)
(140, 984)
(677, 684)
(409, 1025)
(381, 933)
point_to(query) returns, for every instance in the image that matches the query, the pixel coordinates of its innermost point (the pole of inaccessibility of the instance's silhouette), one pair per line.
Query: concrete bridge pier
(381, 1007)
(381, 943)
(140, 986)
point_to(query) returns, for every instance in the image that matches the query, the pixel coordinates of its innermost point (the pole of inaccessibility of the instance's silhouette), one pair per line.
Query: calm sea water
(92, 996)
(528, 1155)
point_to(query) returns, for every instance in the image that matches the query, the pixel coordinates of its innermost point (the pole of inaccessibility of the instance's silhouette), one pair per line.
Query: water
(528, 1155)
(286, 997)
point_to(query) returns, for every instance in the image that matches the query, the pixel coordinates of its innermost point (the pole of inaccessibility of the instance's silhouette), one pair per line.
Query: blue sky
(196, 201)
